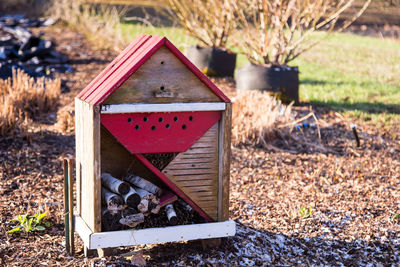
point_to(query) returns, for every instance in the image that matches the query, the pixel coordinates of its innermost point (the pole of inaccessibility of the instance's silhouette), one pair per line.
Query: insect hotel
(152, 151)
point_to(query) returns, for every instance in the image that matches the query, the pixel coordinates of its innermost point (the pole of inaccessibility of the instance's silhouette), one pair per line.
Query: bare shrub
(100, 23)
(209, 21)
(277, 31)
(22, 98)
(257, 118)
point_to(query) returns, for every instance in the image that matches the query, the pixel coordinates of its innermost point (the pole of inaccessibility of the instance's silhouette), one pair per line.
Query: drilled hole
(145, 119)
(162, 88)
(162, 62)
(175, 118)
(191, 118)
(129, 119)
(137, 127)
(167, 126)
(160, 119)
(153, 128)
(184, 127)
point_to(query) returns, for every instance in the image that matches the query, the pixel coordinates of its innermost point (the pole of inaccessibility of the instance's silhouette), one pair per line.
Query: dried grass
(100, 23)
(257, 117)
(66, 119)
(22, 98)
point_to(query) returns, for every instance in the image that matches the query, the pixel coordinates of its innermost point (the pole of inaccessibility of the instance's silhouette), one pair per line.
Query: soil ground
(305, 200)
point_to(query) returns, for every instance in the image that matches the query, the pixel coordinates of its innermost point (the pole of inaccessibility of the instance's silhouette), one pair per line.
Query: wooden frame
(87, 125)
(173, 107)
(153, 235)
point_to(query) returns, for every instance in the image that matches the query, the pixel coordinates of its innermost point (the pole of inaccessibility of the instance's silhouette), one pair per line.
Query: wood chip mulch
(309, 201)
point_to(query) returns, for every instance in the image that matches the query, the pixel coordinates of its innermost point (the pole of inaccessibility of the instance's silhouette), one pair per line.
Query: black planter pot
(281, 81)
(212, 61)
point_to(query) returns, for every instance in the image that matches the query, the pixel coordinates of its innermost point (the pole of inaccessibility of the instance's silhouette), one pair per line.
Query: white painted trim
(162, 235)
(171, 107)
(83, 230)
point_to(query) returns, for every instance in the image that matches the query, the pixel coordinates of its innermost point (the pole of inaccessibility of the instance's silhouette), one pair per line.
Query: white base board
(153, 235)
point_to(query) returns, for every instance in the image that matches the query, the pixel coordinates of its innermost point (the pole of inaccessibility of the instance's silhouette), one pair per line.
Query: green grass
(354, 74)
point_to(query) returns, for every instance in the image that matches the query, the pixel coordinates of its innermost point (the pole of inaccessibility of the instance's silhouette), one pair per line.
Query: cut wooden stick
(167, 198)
(148, 201)
(186, 206)
(143, 184)
(113, 184)
(110, 220)
(143, 206)
(113, 201)
(154, 206)
(132, 220)
(171, 214)
(132, 198)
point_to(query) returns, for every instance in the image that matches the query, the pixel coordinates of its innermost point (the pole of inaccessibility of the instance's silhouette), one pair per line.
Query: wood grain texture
(224, 161)
(88, 163)
(163, 72)
(195, 172)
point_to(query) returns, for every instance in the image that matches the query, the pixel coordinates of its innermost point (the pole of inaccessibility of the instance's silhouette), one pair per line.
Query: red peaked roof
(128, 62)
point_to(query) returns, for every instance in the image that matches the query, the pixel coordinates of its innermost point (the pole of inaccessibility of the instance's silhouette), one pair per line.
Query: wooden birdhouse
(153, 114)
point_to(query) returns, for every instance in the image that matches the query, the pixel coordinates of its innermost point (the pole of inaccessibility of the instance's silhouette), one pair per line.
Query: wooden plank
(192, 171)
(224, 159)
(196, 71)
(173, 187)
(125, 70)
(88, 163)
(184, 165)
(194, 160)
(195, 183)
(83, 230)
(173, 77)
(162, 234)
(194, 150)
(194, 177)
(168, 107)
(195, 171)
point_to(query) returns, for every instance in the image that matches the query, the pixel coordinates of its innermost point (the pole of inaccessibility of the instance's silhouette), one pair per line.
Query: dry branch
(132, 220)
(171, 214)
(113, 201)
(143, 184)
(132, 198)
(114, 184)
(275, 32)
(209, 21)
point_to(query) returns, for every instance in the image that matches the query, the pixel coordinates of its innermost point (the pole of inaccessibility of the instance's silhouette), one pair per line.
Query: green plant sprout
(305, 212)
(29, 223)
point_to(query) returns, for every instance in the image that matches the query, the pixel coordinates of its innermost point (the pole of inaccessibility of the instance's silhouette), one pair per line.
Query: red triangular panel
(159, 132)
